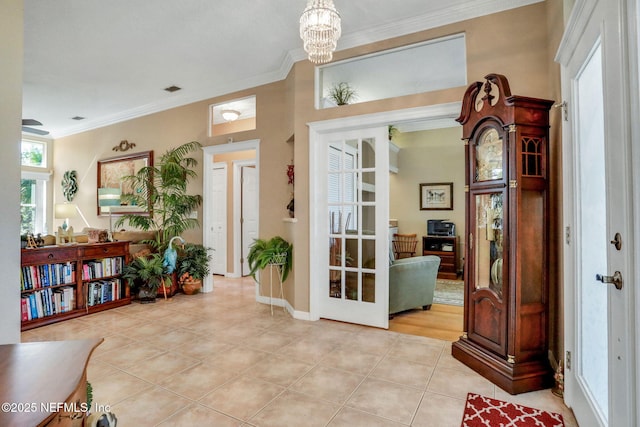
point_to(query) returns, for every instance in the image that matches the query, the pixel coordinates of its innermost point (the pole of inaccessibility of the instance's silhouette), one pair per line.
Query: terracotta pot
(191, 287)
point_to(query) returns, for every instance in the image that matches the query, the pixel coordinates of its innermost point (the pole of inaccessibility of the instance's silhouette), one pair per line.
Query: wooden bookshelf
(56, 281)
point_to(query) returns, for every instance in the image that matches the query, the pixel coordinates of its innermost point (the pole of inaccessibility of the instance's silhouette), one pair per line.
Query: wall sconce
(230, 115)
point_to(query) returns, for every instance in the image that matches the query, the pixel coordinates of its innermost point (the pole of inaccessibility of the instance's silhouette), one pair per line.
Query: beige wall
(518, 43)
(11, 46)
(424, 157)
(170, 128)
(513, 43)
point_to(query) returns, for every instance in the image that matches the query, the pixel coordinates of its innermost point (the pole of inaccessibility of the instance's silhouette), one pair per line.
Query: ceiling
(109, 61)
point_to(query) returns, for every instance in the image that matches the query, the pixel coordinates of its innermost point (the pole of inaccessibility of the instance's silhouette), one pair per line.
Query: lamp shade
(65, 210)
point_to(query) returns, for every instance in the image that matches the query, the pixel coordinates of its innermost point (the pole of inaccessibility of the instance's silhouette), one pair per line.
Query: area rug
(484, 411)
(449, 292)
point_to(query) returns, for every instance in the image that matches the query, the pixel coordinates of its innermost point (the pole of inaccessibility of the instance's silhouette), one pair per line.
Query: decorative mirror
(112, 186)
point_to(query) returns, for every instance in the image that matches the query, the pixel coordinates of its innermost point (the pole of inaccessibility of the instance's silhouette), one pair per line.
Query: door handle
(616, 279)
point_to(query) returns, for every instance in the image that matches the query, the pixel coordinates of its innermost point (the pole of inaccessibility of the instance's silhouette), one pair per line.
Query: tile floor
(221, 359)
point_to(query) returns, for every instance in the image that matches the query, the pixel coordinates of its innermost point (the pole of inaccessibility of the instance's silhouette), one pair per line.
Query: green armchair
(412, 282)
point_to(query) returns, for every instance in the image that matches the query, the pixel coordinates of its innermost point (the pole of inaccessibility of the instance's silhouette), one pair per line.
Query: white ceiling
(109, 61)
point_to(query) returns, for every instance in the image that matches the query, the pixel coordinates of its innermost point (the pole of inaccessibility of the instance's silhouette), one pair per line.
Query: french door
(352, 225)
(599, 382)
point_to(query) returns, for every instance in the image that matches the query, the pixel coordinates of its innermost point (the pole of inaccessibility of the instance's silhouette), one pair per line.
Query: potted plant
(192, 267)
(162, 191)
(145, 275)
(275, 251)
(342, 93)
(392, 131)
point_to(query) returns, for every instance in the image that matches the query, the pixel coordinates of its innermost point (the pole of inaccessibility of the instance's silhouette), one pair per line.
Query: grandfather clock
(506, 255)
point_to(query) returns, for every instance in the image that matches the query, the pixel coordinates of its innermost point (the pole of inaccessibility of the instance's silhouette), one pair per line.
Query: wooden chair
(404, 244)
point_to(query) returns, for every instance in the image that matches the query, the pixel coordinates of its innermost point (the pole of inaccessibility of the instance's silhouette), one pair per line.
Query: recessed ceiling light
(78, 118)
(173, 88)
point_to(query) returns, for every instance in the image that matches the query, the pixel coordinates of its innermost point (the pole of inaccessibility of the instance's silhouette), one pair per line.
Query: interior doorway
(320, 236)
(224, 202)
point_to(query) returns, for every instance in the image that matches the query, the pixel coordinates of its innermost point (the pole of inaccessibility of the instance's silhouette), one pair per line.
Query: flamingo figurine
(169, 261)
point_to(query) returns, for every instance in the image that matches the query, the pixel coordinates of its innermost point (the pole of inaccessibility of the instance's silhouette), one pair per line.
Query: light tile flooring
(221, 359)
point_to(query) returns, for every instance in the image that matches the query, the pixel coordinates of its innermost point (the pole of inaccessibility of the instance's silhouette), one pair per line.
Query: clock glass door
(488, 245)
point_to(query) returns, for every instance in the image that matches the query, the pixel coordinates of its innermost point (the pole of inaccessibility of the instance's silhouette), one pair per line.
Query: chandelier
(320, 30)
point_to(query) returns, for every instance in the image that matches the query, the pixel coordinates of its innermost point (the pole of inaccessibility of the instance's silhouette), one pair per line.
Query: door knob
(616, 279)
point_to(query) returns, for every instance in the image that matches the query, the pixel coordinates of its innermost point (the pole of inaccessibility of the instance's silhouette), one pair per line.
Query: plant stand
(277, 263)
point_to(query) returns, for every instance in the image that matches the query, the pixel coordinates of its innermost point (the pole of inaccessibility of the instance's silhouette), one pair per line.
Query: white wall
(427, 157)
(11, 48)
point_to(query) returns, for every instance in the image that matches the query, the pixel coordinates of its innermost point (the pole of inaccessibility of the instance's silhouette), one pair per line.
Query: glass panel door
(356, 282)
(592, 368)
(489, 238)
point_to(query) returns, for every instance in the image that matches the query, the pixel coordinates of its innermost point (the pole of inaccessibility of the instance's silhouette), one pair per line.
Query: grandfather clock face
(489, 156)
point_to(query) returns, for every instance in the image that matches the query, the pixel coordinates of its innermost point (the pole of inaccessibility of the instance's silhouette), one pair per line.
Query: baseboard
(280, 302)
(302, 315)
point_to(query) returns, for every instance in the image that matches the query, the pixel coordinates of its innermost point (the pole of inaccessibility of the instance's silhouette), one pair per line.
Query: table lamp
(109, 198)
(65, 211)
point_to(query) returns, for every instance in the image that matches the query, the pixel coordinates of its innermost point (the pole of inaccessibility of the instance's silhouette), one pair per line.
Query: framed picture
(112, 186)
(436, 196)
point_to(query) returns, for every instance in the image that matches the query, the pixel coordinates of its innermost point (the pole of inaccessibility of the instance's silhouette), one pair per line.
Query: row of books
(103, 291)
(42, 276)
(47, 302)
(102, 268)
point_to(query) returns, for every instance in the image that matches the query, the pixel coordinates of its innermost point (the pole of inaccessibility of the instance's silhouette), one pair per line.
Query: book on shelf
(47, 302)
(102, 291)
(42, 276)
(99, 268)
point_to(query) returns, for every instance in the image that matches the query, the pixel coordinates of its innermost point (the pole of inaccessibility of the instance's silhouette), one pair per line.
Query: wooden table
(37, 380)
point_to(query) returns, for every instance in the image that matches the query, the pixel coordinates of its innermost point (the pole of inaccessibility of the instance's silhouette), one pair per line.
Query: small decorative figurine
(290, 173)
(558, 388)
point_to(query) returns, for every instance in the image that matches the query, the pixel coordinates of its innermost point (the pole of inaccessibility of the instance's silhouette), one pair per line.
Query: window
(237, 115)
(33, 187)
(428, 66)
(34, 153)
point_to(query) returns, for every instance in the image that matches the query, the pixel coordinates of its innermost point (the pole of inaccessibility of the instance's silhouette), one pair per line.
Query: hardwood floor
(442, 322)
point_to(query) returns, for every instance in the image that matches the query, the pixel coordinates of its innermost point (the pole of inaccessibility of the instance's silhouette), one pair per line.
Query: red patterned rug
(484, 411)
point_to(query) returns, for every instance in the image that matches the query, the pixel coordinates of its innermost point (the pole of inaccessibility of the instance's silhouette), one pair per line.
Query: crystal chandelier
(320, 30)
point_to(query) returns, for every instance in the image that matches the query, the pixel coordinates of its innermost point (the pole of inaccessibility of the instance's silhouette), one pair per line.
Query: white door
(598, 323)
(218, 219)
(249, 221)
(353, 219)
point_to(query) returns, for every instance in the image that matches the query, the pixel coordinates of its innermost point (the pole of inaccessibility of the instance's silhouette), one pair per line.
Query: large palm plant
(162, 191)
